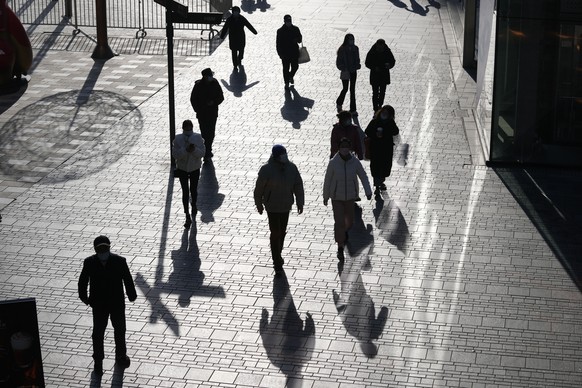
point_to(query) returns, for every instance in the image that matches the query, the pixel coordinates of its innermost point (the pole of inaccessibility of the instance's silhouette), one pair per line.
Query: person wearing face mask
(205, 98)
(288, 39)
(379, 60)
(188, 149)
(344, 128)
(379, 134)
(235, 27)
(341, 185)
(348, 62)
(106, 274)
(278, 186)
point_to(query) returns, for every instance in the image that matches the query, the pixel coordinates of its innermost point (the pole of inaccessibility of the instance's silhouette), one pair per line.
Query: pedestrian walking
(379, 60)
(345, 128)
(341, 185)
(188, 150)
(379, 134)
(348, 62)
(106, 274)
(288, 39)
(205, 98)
(235, 27)
(278, 186)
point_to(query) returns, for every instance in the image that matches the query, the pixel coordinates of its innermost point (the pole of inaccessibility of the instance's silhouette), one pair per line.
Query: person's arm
(219, 94)
(299, 36)
(259, 191)
(250, 27)
(279, 43)
(340, 62)
(364, 179)
(327, 183)
(357, 54)
(225, 28)
(299, 192)
(194, 100)
(200, 147)
(358, 143)
(128, 282)
(178, 148)
(83, 283)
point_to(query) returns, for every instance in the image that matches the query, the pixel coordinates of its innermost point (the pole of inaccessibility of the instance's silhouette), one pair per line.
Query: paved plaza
(460, 276)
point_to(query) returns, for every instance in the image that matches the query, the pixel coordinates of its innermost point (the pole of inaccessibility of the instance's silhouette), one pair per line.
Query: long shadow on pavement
(296, 108)
(238, 82)
(551, 200)
(209, 199)
(288, 342)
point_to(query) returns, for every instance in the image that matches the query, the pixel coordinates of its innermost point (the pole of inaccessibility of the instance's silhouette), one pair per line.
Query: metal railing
(134, 14)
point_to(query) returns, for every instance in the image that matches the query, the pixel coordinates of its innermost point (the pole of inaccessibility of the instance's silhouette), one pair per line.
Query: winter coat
(380, 64)
(106, 282)
(381, 148)
(341, 179)
(288, 39)
(188, 161)
(348, 58)
(205, 98)
(352, 132)
(235, 27)
(276, 185)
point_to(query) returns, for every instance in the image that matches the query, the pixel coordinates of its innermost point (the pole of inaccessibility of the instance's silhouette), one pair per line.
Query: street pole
(170, 38)
(102, 50)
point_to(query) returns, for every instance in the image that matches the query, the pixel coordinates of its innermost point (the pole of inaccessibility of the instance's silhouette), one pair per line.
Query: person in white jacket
(188, 150)
(341, 185)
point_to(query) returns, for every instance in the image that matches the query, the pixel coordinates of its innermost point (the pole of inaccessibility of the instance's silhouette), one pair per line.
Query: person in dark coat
(380, 134)
(205, 98)
(106, 274)
(348, 62)
(344, 128)
(278, 185)
(379, 60)
(235, 27)
(288, 39)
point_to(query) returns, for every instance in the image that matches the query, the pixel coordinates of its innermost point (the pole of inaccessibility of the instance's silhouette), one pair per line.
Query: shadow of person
(434, 3)
(248, 6)
(238, 82)
(296, 108)
(209, 199)
(95, 380)
(186, 277)
(357, 311)
(391, 224)
(398, 3)
(159, 309)
(288, 342)
(360, 235)
(417, 8)
(263, 5)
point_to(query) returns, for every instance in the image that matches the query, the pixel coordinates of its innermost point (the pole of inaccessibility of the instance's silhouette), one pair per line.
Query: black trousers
(101, 315)
(290, 66)
(189, 184)
(208, 131)
(352, 86)
(237, 55)
(378, 94)
(278, 227)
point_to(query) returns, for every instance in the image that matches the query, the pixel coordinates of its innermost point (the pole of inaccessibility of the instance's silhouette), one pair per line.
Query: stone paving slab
(448, 283)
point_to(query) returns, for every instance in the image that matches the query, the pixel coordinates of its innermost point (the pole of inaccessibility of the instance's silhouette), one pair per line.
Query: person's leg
(100, 317)
(234, 56)
(375, 97)
(284, 220)
(294, 67)
(185, 191)
(286, 64)
(194, 179)
(204, 131)
(381, 95)
(340, 100)
(348, 214)
(118, 322)
(353, 77)
(208, 130)
(241, 54)
(276, 229)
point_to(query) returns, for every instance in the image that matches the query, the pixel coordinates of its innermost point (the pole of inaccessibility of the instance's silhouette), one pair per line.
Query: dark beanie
(278, 150)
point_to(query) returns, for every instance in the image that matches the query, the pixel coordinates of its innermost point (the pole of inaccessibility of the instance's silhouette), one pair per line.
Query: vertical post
(68, 9)
(102, 50)
(170, 38)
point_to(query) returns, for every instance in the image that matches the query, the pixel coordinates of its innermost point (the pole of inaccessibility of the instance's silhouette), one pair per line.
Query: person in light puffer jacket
(341, 185)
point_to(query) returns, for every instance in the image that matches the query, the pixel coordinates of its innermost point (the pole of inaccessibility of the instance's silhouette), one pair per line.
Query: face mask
(344, 151)
(283, 158)
(188, 132)
(384, 116)
(345, 123)
(288, 24)
(209, 78)
(103, 256)
(351, 42)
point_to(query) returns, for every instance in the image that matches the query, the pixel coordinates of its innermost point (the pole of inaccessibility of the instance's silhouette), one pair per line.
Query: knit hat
(278, 150)
(101, 241)
(207, 72)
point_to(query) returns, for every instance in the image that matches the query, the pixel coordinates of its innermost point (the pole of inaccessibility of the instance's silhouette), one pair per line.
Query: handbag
(303, 55)
(344, 75)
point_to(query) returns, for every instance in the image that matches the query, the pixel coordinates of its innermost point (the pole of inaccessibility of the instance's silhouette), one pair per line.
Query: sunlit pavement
(448, 281)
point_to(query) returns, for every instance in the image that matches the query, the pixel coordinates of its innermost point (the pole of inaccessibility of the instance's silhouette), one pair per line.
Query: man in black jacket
(106, 273)
(205, 98)
(288, 39)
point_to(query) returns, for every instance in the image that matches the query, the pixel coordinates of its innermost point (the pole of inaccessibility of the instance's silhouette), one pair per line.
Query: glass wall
(537, 92)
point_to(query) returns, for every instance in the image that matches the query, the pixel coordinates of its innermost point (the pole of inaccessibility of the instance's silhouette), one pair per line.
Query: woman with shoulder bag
(348, 62)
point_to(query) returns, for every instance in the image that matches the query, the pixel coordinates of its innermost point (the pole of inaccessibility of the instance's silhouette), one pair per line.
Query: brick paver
(449, 282)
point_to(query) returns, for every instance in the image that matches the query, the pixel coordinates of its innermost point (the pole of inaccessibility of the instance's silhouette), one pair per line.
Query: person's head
(349, 40)
(279, 153)
(287, 20)
(207, 74)
(235, 11)
(345, 147)
(101, 244)
(380, 45)
(345, 118)
(386, 113)
(187, 126)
